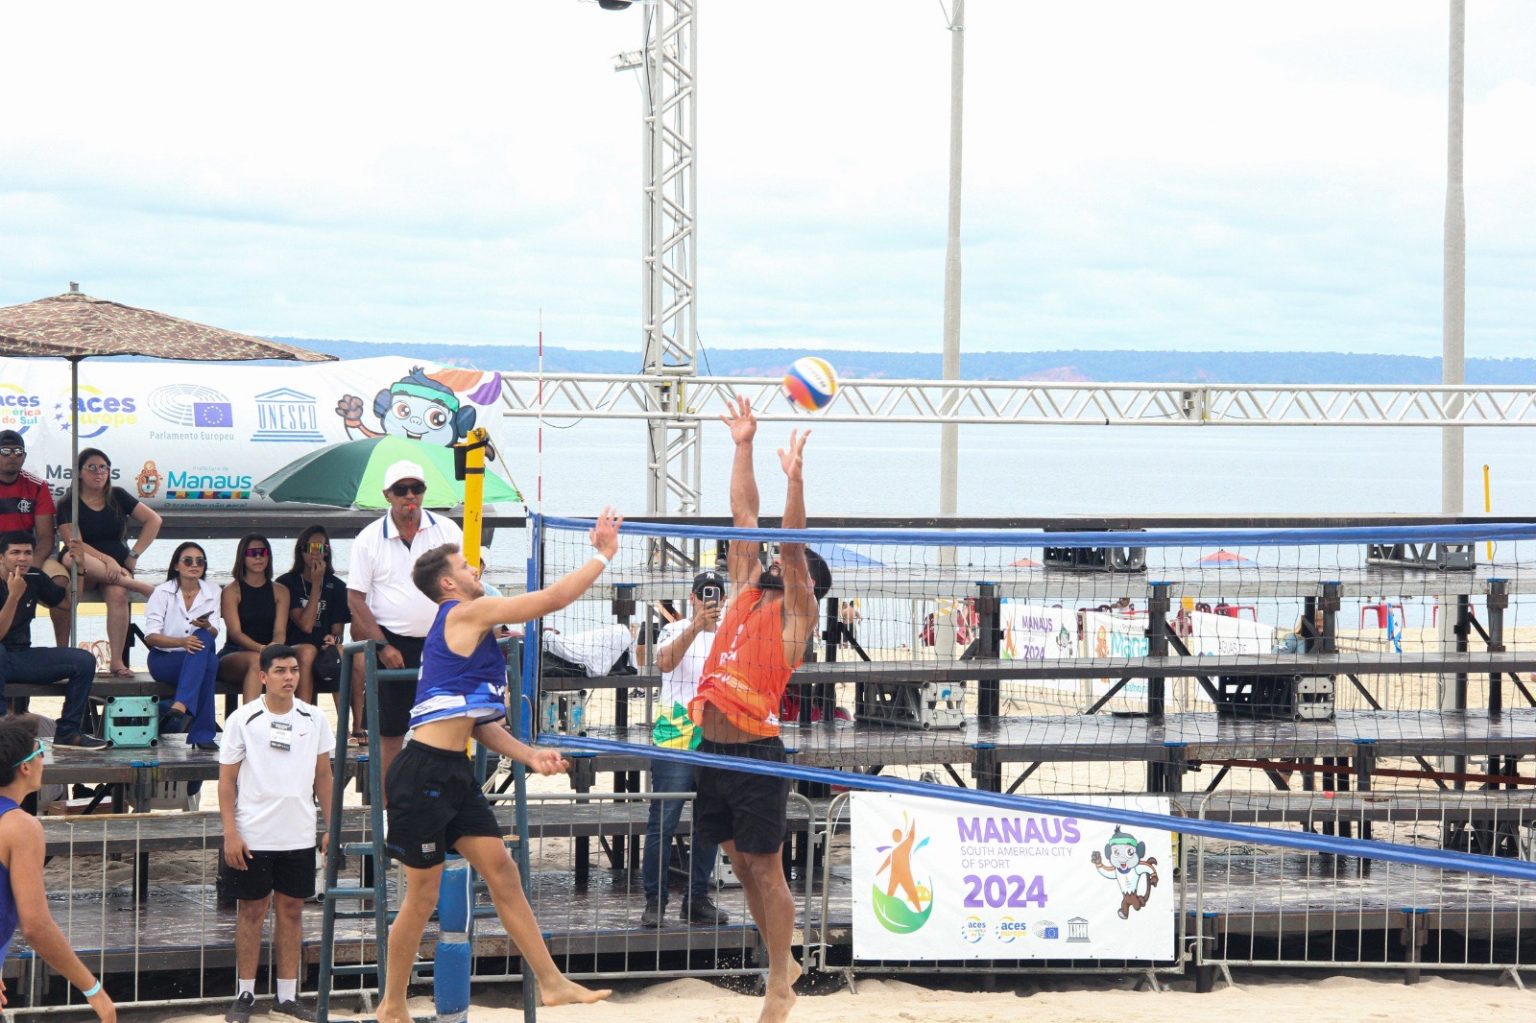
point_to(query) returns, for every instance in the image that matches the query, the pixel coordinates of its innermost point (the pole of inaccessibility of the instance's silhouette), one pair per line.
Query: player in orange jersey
(760, 641)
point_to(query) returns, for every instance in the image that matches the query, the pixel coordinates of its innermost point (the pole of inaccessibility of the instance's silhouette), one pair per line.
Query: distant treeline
(1123, 366)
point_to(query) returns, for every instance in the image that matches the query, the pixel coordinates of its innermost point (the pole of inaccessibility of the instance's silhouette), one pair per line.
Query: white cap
(403, 470)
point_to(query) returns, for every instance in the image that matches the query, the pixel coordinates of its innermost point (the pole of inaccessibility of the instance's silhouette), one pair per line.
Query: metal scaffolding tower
(671, 257)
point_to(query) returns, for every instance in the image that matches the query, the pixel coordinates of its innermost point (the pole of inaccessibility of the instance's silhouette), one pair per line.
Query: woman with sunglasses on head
(182, 620)
(100, 545)
(257, 613)
(317, 612)
(23, 898)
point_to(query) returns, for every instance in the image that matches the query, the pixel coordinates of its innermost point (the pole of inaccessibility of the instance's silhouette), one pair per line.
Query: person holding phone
(680, 654)
(181, 623)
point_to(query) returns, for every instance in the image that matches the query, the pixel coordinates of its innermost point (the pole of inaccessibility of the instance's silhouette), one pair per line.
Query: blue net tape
(1434, 859)
(1453, 533)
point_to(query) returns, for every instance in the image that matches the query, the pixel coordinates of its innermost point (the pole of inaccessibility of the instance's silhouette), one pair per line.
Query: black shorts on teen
(397, 698)
(749, 809)
(290, 872)
(434, 800)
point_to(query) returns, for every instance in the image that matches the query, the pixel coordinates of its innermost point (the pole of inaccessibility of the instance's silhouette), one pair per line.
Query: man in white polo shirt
(385, 604)
(274, 766)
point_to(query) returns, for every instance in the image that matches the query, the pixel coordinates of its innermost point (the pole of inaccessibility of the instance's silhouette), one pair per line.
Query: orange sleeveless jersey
(745, 674)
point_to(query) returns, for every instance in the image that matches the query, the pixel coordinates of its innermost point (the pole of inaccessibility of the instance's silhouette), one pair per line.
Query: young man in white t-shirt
(681, 650)
(274, 765)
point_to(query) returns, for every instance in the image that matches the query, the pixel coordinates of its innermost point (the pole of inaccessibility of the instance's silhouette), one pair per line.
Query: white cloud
(1201, 175)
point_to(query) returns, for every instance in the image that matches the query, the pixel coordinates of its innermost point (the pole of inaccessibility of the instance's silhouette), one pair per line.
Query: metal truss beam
(671, 337)
(692, 400)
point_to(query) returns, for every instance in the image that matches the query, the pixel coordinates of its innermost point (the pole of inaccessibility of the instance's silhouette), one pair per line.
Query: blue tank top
(8, 916)
(451, 686)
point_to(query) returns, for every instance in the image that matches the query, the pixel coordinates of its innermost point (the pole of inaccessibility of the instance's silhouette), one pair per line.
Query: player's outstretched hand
(738, 416)
(547, 761)
(605, 535)
(793, 458)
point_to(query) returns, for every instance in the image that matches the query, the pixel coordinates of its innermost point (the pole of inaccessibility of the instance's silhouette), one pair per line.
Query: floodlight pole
(1453, 354)
(949, 433)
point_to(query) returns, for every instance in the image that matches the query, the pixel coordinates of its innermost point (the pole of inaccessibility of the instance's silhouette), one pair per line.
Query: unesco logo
(973, 929)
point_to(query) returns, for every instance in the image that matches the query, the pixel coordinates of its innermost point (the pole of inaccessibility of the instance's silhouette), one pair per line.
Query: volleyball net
(1327, 690)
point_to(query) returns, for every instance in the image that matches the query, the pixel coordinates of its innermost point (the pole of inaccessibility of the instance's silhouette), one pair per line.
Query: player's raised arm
(742, 556)
(799, 590)
(491, 611)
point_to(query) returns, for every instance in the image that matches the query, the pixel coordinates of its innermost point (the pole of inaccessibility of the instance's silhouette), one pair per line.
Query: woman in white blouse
(181, 622)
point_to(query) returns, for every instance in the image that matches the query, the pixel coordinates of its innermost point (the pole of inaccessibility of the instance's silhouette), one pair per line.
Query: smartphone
(710, 594)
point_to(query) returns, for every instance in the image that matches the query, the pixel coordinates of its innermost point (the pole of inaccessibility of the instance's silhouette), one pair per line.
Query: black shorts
(290, 872)
(749, 809)
(434, 800)
(397, 698)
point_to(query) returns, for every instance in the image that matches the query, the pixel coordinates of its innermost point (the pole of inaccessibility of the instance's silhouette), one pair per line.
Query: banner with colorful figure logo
(206, 433)
(938, 880)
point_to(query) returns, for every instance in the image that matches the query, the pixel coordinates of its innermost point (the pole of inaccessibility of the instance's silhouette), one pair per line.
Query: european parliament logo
(192, 405)
(287, 416)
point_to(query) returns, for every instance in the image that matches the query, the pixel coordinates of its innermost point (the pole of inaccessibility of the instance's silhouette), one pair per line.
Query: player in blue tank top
(22, 898)
(432, 798)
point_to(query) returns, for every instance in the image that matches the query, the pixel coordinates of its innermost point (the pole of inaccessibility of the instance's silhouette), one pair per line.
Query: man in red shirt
(26, 504)
(761, 640)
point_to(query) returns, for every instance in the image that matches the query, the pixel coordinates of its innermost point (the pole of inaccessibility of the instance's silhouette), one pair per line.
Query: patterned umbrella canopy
(77, 326)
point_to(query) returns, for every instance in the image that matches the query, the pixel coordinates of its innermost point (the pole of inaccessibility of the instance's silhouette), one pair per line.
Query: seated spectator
(26, 503)
(317, 613)
(25, 586)
(256, 613)
(100, 553)
(182, 621)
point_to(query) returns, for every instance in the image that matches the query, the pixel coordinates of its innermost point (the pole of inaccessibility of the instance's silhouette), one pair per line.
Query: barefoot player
(434, 802)
(760, 641)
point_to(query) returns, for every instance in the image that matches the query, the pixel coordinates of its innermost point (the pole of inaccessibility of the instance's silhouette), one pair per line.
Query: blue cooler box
(132, 722)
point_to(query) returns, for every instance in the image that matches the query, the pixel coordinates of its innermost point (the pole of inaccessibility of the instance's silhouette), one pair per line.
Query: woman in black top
(255, 612)
(317, 611)
(101, 549)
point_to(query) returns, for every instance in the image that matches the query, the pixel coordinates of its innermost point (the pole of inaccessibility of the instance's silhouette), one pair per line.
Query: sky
(1198, 176)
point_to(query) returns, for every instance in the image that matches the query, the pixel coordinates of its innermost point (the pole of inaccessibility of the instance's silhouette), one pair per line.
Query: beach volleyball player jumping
(435, 803)
(760, 641)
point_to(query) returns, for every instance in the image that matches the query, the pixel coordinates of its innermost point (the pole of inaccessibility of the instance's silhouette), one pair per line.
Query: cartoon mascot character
(1130, 867)
(415, 406)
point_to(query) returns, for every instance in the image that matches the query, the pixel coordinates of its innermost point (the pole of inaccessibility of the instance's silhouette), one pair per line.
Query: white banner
(1220, 634)
(936, 880)
(1118, 636)
(1035, 632)
(206, 433)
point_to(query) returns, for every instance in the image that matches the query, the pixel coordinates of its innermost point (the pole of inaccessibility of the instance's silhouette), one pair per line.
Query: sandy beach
(1319, 998)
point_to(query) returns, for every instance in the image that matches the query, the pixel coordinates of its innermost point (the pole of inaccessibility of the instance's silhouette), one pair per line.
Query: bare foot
(568, 992)
(780, 996)
(389, 1012)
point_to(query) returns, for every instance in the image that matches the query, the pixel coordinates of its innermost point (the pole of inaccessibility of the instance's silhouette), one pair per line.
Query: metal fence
(139, 895)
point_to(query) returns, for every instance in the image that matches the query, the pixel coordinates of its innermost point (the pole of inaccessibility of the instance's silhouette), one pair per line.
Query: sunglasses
(193, 560)
(257, 552)
(31, 756)
(316, 547)
(12, 452)
(401, 489)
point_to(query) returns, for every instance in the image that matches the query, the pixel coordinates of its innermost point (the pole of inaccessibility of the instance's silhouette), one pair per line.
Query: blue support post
(450, 969)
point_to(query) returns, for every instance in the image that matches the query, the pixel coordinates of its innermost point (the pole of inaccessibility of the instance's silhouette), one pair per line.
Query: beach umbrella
(1225, 557)
(351, 475)
(1026, 563)
(76, 326)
